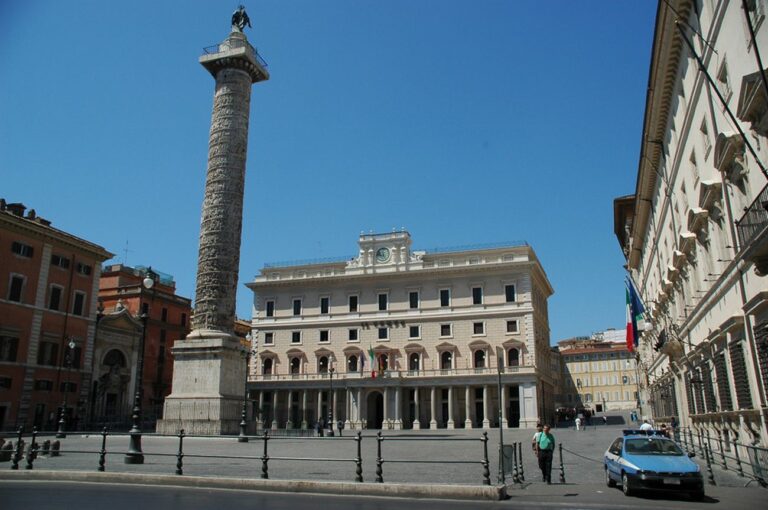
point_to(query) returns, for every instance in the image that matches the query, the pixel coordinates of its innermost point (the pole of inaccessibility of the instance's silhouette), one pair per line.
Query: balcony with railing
(752, 229)
(395, 374)
(231, 44)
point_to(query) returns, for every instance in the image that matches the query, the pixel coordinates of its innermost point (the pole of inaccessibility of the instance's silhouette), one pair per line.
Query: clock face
(382, 254)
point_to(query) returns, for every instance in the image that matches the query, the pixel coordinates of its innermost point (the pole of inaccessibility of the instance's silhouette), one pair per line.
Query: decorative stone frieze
(686, 241)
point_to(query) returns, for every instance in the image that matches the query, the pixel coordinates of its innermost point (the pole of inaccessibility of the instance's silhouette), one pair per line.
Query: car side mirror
(691, 454)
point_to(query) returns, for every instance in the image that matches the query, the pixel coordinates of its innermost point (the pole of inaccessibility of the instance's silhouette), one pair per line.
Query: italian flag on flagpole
(373, 365)
(630, 325)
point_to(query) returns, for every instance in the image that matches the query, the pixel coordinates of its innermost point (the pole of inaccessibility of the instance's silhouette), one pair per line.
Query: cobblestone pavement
(333, 458)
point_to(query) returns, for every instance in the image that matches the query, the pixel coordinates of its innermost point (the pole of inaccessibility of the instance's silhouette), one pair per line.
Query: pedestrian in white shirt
(646, 426)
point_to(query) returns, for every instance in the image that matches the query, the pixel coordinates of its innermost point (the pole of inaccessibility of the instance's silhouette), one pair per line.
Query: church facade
(400, 339)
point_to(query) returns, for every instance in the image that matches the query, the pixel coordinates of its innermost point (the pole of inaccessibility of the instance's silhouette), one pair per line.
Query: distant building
(48, 288)
(410, 338)
(598, 373)
(124, 300)
(695, 231)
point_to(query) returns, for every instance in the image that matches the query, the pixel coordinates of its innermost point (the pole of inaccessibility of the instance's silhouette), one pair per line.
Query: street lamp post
(135, 455)
(243, 438)
(330, 397)
(61, 432)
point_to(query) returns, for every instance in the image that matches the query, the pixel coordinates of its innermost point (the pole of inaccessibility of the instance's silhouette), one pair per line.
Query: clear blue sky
(462, 121)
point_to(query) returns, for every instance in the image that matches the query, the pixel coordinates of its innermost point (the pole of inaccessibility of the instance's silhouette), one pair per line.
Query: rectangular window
(78, 307)
(478, 328)
(74, 356)
(297, 307)
(512, 327)
(270, 309)
(352, 303)
(413, 299)
(59, 261)
(324, 335)
(477, 295)
(15, 290)
(164, 315)
(41, 385)
(54, 299)
(445, 330)
(269, 338)
(296, 337)
(183, 319)
(325, 303)
(414, 332)
(5, 383)
(47, 353)
(22, 249)
(383, 301)
(67, 387)
(83, 269)
(445, 297)
(352, 335)
(9, 347)
(383, 333)
(509, 293)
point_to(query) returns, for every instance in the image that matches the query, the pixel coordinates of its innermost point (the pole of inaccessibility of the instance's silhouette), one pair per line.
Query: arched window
(513, 358)
(352, 364)
(266, 368)
(295, 365)
(446, 360)
(480, 358)
(413, 361)
(383, 362)
(322, 364)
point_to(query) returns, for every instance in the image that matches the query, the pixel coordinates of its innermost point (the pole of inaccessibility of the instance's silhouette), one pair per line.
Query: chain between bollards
(103, 452)
(379, 460)
(32, 450)
(486, 470)
(359, 458)
(515, 477)
(180, 454)
(520, 455)
(562, 466)
(265, 458)
(709, 466)
(19, 448)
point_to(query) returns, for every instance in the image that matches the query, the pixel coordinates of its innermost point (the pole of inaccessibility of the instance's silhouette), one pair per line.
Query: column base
(304, 425)
(432, 425)
(451, 425)
(504, 423)
(349, 425)
(486, 424)
(289, 425)
(398, 424)
(416, 425)
(467, 424)
(274, 425)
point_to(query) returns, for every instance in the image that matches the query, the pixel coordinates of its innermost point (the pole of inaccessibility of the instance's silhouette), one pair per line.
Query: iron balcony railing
(394, 374)
(755, 219)
(231, 44)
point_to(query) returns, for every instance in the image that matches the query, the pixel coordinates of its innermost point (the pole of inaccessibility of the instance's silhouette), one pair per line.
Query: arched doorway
(375, 404)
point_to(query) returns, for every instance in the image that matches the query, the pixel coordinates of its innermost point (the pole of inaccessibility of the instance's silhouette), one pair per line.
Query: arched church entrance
(375, 404)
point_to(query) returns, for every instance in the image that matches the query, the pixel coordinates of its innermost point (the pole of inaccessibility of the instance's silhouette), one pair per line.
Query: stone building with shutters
(400, 339)
(695, 232)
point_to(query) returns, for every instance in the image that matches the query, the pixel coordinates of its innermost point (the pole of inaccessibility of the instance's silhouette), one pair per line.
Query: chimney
(17, 208)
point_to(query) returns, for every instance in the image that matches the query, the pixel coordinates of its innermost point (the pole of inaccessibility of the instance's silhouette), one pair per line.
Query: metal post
(379, 460)
(690, 440)
(758, 470)
(562, 466)
(520, 457)
(19, 449)
(709, 448)
(243, 438)
(722, 452)
(265, 457)
(330, 400)
(739, 468)
(359, 459)
(103, 452)
(180, 454)
(61, 433)
(515, 476)
(135, 455)
(709, 466)
(499, 362)
(701, 447)
(32, 450)
(486, 471)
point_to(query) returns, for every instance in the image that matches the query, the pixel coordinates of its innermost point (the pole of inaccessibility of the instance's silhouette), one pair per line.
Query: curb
(392, 490)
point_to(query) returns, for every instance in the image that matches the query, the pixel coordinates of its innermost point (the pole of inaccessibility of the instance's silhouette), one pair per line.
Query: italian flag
(373, 364)
(632, 317)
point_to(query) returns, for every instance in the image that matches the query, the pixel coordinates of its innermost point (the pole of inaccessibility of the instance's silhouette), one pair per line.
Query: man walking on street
(545, 448)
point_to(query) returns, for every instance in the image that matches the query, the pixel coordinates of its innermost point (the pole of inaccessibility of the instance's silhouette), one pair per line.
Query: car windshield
(652, 446)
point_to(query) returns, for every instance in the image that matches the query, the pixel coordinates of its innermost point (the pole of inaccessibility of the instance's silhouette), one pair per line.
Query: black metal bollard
(19, 449)
(722, 452)
(711, 475)
(55, 447)
(520, 456)
(486, 471)
(103, 452)
(32, 450)
(180, 454)
(709, 447)
(265, 457)
(46, 447)
(562, 466)
(739, 468)
(379, 460)
(690, 440)
(701, 446)
(359, 459)
(515, 472)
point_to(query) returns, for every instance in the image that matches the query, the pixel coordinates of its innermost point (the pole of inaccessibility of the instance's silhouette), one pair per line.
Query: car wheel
(697, 495)
(625, 485)
(610, 482)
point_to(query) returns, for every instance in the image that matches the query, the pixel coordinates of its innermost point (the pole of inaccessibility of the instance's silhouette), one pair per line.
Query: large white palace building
(695, 232)
(434, 322)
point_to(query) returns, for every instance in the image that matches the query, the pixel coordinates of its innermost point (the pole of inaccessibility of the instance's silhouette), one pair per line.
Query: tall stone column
(387, 418)
(450, 423)
(433, 409)
(486, 407)
(208, 370)
(289, 419)
(398, 408)
(503, 399)
(416, 407)
(304, 410)
(468, 407)
(274, 410)
(260, 419)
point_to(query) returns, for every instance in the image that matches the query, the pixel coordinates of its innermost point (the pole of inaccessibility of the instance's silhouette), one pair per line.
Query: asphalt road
(87, 496)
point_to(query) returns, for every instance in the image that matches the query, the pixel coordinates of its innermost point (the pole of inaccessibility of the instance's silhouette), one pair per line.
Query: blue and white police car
(647, 460)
